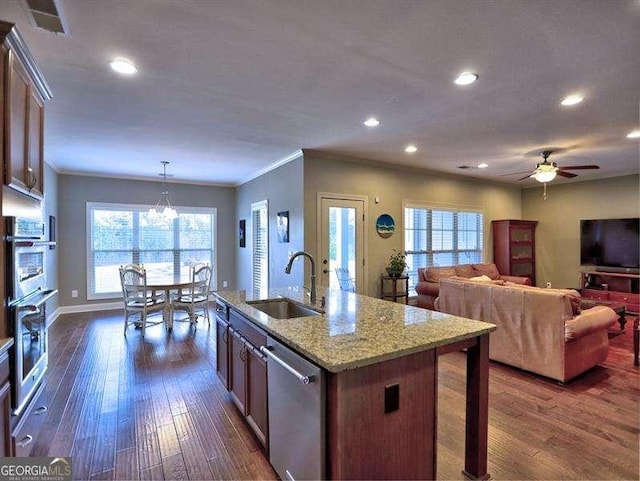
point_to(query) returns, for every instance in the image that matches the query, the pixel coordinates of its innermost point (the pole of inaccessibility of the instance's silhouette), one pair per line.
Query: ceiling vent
(47, 15)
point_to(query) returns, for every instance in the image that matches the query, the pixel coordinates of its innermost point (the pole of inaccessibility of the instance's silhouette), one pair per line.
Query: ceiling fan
(546, 171)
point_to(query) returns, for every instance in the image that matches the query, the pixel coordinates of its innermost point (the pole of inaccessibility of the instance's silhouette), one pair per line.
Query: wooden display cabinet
(514, 247)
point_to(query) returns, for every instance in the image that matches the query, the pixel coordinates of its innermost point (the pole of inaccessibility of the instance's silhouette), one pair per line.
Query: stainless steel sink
(283, 308)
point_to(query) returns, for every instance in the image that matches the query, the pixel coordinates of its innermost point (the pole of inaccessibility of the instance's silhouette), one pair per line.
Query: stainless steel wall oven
(27, 297)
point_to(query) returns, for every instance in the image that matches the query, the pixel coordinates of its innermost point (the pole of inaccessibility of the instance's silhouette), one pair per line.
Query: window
(441, 237)
(260, 244)
(121, 234)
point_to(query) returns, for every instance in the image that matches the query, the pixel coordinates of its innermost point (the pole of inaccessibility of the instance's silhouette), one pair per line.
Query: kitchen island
(380, 360)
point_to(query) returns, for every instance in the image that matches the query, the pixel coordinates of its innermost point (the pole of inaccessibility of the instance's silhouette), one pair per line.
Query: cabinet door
(237, 370)
(17, 116)
(35, 163)
(257, 394)
(222, 352)
(5, 420)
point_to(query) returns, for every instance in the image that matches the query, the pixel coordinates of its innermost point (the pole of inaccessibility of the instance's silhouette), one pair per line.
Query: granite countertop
(356, 330)
(5, 343)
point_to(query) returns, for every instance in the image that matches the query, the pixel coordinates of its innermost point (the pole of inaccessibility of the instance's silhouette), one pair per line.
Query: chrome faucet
(287, 270)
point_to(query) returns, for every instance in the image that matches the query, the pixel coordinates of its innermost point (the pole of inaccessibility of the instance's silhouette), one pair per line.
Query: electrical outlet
(225, 284)
(74, 293)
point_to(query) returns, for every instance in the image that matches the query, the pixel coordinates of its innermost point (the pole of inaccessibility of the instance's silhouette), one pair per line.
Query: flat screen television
(610, 244)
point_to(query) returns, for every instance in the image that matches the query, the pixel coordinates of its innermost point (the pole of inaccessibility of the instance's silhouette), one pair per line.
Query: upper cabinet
(24, 91)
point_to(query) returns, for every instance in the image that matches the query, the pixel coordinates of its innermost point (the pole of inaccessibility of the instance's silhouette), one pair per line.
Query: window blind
(260, 244)
(441, 237)
(120, 234)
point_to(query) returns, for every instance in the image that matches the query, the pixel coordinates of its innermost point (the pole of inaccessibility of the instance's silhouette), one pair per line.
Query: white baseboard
(102, 306)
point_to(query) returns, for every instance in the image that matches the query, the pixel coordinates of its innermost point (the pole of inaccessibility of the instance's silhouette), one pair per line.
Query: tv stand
(619, 270)
(612, 286)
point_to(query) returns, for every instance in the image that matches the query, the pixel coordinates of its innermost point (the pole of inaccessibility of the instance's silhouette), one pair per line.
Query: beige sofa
(429, 278)
(539, 330)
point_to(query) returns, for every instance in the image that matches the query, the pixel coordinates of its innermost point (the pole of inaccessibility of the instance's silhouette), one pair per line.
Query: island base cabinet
(257, 395)
(222, 352)
(237, 371)
(248, 374)
(381, 420)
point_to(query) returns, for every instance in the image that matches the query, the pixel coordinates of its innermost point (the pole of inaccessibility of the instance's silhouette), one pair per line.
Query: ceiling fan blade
(579, 167)
(515, 173)
(526, 177)
(568, 175)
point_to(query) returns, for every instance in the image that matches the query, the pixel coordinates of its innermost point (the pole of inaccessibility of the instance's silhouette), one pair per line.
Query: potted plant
(397, 264)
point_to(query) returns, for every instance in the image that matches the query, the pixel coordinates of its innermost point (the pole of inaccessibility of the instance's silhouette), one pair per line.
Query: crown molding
(12, 38)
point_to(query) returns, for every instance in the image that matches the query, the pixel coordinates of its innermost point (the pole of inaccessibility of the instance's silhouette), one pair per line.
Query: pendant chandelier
(163, 209)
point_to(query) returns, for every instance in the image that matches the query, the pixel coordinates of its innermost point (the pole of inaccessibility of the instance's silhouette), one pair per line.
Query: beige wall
(341, 175)
(558, 231)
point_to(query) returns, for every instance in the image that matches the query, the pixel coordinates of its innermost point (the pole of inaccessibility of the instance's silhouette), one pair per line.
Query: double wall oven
(26, 300)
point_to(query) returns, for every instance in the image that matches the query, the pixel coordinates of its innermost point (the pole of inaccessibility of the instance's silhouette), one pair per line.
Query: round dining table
(167, 283)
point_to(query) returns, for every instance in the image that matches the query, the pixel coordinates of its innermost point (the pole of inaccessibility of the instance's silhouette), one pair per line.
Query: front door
(341, 242)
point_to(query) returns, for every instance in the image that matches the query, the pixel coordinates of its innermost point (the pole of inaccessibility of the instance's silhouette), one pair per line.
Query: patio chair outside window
(345, 280)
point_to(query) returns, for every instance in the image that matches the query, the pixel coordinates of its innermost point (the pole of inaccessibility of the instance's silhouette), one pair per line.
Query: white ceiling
(227, 88)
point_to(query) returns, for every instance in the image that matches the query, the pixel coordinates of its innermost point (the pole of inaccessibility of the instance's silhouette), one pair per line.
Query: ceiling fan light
(545, 176)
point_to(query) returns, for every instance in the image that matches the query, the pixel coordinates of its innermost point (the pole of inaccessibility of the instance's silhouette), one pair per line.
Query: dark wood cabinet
(237, 370)
(514, 247)
(24, 92)
(5, 406)
(613, 287)
(248, 373)
(222, 344)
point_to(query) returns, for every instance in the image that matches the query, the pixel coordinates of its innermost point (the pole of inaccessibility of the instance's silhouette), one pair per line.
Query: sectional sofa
(428, 285)
(544, 331)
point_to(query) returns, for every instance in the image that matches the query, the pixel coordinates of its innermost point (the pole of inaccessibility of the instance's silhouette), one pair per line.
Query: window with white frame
(120, 234)
(260, 245)
(436, 236)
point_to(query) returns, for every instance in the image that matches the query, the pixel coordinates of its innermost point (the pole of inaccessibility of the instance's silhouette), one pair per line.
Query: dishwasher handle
(266, 350)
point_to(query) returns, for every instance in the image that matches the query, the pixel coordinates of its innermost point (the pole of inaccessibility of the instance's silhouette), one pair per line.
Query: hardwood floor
(126, 409)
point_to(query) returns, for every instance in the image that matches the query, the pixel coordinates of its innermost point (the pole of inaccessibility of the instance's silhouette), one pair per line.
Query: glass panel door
(341, 244)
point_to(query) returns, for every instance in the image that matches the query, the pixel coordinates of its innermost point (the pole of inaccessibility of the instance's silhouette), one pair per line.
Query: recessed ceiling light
(411, 149)
(572, 100)
(634, 134)
(372, 122)
(465, 78)
(483, 165)
(123, 66)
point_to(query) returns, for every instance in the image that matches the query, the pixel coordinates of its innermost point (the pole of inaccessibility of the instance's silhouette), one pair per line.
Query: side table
(394, 288)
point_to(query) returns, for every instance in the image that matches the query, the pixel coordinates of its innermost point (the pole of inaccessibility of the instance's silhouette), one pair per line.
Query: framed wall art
(385, 226)
(283, 226)
(242, 234)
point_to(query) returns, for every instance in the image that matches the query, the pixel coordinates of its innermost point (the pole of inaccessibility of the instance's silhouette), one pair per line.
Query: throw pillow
(434, 274)
(465, 270)
(487, 270)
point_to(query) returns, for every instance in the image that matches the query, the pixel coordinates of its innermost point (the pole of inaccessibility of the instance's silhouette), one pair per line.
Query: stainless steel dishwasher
(296, 389)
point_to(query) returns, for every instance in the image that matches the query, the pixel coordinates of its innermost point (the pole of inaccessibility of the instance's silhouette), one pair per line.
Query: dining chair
(139, 301)
(345, 280)
(196, 297)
